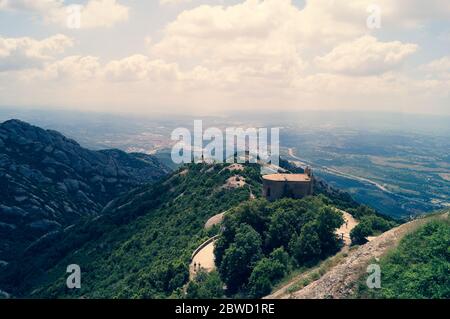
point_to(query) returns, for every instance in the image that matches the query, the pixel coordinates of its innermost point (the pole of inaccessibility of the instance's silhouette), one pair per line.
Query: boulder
(7, 226)
(48, 149)
(12, 211)
(72, 184)
(62, 187)
(20, 198)
(45, 224)
(61, 157)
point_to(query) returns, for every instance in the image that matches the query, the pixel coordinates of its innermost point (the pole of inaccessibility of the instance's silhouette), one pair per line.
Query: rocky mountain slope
(48, 182)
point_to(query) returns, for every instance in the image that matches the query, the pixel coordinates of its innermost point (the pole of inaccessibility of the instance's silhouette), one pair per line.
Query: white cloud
(255, 54)
(248, 42)
(441, 65)
(25, 52)
(173, 2)
(78, 68)
(140, 67)
(256, 44)
(394, 13)
(135, 68)
(414, 13)
(366, 56)
(437, 78)
(30, 5)
(93, 14)
(253, 27)
(103, 13)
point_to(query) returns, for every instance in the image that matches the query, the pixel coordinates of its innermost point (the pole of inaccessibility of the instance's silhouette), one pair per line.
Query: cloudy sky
(205, 57)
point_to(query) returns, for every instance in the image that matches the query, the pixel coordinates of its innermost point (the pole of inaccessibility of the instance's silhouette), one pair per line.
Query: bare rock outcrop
(48, 182)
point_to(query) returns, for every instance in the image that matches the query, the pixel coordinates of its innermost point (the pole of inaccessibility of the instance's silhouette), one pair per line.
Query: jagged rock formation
(48, 181)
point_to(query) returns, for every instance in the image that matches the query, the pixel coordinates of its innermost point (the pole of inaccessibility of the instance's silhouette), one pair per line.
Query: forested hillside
(141, 245)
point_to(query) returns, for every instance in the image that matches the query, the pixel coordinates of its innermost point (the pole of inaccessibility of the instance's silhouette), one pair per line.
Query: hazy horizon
(319, 119)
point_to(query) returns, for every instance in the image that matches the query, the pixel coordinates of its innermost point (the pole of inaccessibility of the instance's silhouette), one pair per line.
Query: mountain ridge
(49, 181)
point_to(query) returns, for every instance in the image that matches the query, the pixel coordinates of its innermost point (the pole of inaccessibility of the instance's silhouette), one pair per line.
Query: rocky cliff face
(48, 181)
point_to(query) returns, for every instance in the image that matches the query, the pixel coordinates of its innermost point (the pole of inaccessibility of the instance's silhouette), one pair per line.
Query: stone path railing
(203, 245)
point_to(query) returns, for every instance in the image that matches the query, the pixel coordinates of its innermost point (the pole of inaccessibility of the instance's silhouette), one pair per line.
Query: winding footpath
(203, 259)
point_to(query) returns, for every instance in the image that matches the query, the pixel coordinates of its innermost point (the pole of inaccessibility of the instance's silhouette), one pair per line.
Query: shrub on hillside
(369, 225)
(205, 286)
(261, 240)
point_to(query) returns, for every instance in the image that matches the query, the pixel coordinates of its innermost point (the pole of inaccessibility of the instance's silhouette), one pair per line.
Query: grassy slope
(419, 267)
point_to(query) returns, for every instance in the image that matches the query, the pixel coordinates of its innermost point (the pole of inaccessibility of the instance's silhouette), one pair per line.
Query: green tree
(240, 258)
(369, 225)
(266, 272)
(328, 221)
(360, 233)
(281, 256)
(283, 225)
(260, 286)
(306, 247)
(378, 224)
(361, 211)
(205, 286)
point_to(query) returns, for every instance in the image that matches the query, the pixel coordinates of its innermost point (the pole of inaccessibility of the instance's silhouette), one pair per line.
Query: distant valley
(401, 175)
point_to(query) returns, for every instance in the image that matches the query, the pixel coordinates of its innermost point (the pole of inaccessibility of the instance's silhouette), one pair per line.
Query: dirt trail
(344, 231)
(204, 259)
(338, 283)
(215, 220)
(349, 223)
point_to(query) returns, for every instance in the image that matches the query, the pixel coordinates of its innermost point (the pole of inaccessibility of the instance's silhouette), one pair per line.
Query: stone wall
(273, 190)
